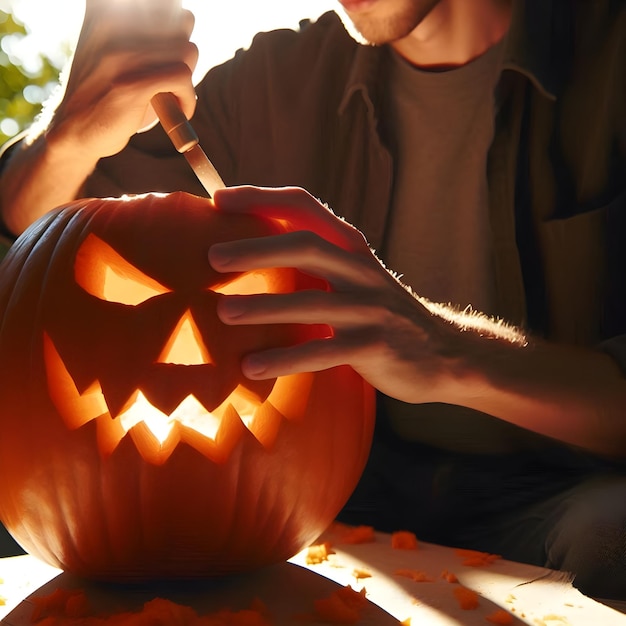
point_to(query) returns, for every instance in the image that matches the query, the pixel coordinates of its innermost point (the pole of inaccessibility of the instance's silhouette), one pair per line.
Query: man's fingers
(311, 356)
(148, 9)
(129, 21)
(303, 250)
(296, 207)
(188, 22)
(338, 310)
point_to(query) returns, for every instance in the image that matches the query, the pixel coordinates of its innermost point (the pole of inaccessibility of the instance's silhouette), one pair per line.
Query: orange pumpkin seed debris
(66, 608)
(501, 617)
(344, 533)
(467, 598)
(449, 576)
(318, 553)
(359, 573)
(475, 558)
(343, 606)
(415, 575)
(403, 540)
(62, 603)
(359, 534)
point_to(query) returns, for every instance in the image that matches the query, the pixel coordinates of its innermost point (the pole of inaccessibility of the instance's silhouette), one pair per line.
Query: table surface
(532, 595)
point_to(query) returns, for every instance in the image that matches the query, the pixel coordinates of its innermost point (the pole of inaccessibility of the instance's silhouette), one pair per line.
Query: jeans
(581, 530)
(554, 507)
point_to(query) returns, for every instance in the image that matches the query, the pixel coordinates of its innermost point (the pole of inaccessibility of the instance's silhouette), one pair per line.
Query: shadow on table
(287, 590)
(618, 605)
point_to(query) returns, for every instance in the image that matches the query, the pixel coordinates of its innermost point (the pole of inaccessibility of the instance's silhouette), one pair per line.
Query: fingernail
(230, 308)
(218, 256)
(254, 366)
(225, 198)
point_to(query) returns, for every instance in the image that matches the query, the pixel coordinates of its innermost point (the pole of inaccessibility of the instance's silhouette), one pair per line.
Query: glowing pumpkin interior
(106, 275)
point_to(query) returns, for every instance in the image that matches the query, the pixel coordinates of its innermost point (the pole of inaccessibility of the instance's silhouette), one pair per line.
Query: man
(481, 149)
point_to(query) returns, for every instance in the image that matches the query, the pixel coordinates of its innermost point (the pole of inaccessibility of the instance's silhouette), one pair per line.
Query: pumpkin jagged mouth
(157, 434)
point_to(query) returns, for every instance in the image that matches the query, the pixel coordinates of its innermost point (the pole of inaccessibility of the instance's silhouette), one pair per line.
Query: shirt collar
(363, 76)
(533, 48)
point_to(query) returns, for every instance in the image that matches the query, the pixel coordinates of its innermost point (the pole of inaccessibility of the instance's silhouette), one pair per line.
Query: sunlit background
(37, 37)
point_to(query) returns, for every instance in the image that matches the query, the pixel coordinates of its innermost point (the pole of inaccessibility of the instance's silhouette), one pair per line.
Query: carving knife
(185, 140)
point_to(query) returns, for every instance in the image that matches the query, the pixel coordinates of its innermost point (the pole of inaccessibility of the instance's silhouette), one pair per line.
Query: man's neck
(455, 32)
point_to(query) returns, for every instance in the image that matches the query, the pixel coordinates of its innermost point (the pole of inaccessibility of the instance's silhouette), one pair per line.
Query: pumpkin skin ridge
(128, 494)
(123, 574)
(51, 218)
(28, 247)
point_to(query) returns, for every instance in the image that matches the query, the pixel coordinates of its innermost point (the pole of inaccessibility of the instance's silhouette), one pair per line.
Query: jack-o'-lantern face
(141, 350)
(132, 447)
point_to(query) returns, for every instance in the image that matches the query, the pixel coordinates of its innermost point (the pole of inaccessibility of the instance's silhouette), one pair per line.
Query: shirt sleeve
(6, 236)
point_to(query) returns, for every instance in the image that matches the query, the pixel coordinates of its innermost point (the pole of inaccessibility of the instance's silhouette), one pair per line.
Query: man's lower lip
(354, 6)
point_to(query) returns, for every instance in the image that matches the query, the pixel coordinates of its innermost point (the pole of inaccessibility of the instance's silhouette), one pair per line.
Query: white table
(533, 595)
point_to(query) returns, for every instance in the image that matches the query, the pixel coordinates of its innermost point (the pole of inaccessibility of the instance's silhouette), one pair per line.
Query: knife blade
(185, 140)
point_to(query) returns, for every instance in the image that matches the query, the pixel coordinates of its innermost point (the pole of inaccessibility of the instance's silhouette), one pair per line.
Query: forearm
(40, 176)
(572, 394)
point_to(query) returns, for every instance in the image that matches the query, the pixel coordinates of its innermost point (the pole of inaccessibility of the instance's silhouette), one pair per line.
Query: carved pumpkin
(131, 445)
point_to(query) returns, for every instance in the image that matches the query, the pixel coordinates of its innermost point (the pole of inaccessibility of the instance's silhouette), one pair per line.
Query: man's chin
(351, 28)
(374, 25)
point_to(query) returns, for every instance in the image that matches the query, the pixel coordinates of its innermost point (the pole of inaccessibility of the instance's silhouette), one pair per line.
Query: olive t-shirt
(440, 126)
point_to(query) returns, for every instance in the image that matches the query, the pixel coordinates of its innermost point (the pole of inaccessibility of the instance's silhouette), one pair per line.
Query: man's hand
(404, 345)
(378, 327)
(128, 51)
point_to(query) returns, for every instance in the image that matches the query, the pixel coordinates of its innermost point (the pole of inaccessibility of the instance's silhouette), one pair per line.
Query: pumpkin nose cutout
(185, 345)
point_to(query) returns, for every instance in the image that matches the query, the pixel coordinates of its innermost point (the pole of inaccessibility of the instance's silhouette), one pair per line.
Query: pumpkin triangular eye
(104, 273)
(244, 285)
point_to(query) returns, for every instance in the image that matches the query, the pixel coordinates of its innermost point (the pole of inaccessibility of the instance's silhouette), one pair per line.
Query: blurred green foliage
(22, 87)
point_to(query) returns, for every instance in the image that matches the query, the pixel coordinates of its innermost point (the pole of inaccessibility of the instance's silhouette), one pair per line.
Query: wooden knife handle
(173, 120)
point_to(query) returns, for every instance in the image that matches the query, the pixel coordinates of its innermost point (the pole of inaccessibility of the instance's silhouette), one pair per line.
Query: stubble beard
(381, 27)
